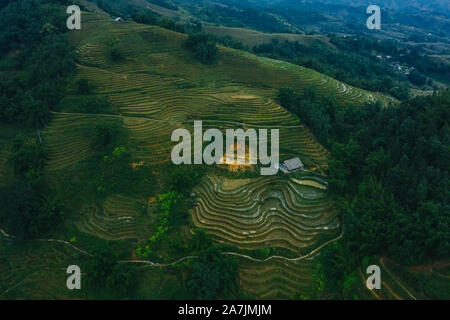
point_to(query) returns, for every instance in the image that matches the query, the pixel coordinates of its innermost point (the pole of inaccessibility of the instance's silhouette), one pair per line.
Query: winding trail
(396, 279)
(155, 264)
(23, 280)
(67, 243)
(285, 258)
(373, 291)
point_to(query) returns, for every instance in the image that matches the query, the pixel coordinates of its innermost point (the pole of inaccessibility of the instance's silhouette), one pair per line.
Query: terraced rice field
(262, 212)
(115, 221)
(159, 87)
(276, 279)
(22, 273)
(66, 140)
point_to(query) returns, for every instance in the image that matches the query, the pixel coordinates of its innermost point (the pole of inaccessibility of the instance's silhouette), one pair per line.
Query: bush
(104, 272)
(83, 86)
(95, 105)
(27, 157)
(203, 47)
(25, 214)
(107, 135)
(115, 54)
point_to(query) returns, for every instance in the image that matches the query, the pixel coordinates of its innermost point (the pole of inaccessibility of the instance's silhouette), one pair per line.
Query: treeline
(35, 60)
(424, 66)
(352, 60)
(149, 18)
(351, 66)
(202, 45)
(165, 4)
(240, 15)
(389, 173)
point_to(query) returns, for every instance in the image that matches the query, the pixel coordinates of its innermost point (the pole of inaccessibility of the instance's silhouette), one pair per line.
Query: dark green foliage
(27, 214)
(203, 47)
(417, 78)
(389, 171)
(152, 19)
(183, 178)
(213, 276)
(200, 240)
(352, 62)
(27, 157)
(107, 8)
(22, 22)
(95, 105)
(107, 135)
(165, 4)
(83, 86)
(35, 59)
(238, 14)
(111, 172)
(116, 54)
(105, 272)
(229, 42)
(144, 18)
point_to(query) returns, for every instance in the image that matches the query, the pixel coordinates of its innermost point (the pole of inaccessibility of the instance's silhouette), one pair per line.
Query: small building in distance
(291, 165)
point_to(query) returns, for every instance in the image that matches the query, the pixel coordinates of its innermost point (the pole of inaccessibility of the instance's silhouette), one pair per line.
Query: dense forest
(35, 64)
(352, 60)
(36, 61)
(389, 173)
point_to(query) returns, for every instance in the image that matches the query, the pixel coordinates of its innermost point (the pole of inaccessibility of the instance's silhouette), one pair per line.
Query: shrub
(203, 47)
(27, 157)
(83, 86)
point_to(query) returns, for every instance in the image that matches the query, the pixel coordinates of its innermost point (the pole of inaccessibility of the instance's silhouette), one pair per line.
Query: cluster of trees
(354, 65)
(424, 65)
(165, 4)
(104, 272)
(153, 19)
(27, 157)
(214, 275)
(27, 209)
(390, 176)
(240, 15)
(26, 212)
(107, 8)
(172, 207)
(203, 46)
(35, 61)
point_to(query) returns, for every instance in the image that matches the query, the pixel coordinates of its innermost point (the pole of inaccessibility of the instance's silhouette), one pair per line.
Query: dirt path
(391, 291)
(396, 279)
(285, 258)
(67, 243)
(23, 280)
(430, 267)
(155, 264)
(371, 291)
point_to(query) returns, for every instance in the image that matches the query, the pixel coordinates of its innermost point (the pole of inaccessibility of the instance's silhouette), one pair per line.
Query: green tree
(203, 47)
(214, 275)
(27, 157)
(26, 214)
(105, 272)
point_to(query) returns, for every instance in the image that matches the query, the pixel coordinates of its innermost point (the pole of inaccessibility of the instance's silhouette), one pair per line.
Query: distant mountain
(442, 6)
